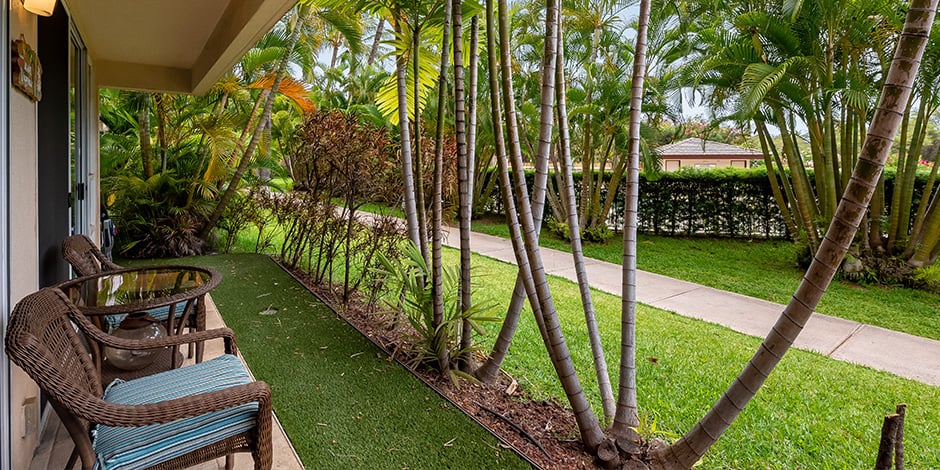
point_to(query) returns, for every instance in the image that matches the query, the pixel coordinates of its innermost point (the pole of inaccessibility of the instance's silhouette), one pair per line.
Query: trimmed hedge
(726, 202)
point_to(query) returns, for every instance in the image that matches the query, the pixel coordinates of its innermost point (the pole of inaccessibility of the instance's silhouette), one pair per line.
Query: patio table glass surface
(135, 289)
(177, 289)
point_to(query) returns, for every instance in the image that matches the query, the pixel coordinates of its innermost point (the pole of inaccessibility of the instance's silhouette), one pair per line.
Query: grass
(813, 412)
(762, 269)
(343, 404)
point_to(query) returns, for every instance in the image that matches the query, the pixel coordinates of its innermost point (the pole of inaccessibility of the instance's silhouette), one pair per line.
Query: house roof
(695, 147)
(180, 46)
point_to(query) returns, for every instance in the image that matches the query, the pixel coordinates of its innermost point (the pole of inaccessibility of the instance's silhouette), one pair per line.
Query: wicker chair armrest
(108, 265)
(99, 411)
(105, 339)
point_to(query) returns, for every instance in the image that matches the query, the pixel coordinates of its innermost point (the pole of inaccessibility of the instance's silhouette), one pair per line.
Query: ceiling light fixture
(39, 7)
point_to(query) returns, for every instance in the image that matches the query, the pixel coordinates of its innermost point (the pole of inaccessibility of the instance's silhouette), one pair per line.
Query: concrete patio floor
(56, 445)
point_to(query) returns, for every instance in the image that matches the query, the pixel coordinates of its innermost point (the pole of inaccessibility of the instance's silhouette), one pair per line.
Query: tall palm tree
(301, 13)
(591, 433)
(843, 228)
(574, 234)
(298, 22)
(437, 196)
(627, 414)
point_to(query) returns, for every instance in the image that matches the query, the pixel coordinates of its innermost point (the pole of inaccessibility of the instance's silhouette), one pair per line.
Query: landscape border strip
(509, 445)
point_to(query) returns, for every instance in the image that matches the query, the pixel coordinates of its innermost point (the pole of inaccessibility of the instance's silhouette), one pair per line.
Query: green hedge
(727, 202)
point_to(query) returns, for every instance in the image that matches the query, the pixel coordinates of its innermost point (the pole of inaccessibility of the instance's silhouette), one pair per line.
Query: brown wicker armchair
(174, 419)
(84, 256)
(86, 259)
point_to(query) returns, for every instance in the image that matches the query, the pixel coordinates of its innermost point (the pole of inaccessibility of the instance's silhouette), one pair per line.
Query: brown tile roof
(696, 147)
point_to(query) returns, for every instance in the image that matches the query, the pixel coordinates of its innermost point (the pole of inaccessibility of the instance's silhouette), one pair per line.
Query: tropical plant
(819, 66)
(413, 297)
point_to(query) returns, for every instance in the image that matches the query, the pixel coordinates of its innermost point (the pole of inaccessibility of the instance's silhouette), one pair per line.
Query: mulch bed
(544, 432)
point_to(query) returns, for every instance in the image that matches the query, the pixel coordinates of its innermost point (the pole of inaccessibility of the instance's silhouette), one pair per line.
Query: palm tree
(842, 230)
(627, 415)
(574, 234)
(306, 14)
(301, 13)
(591, 433)
(437, 196)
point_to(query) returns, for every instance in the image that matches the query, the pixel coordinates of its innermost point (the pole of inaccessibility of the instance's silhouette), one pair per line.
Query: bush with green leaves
(411, 297)
(156, 217)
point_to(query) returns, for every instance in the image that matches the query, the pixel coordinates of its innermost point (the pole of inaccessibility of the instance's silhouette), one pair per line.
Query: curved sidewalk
(909, 356)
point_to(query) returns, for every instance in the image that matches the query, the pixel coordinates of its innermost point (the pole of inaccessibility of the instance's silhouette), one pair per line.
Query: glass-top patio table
(109, 296)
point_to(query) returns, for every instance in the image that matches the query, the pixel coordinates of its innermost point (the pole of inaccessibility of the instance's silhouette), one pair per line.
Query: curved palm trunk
(407, 169)
(374, 51)
(437, 276)
(591, 433)
(574, 232)
(279, 73)
(627, 415)
(852, 209)
(489, 370)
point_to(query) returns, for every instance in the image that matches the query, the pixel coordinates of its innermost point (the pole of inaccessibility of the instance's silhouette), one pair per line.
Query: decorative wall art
(27, 71)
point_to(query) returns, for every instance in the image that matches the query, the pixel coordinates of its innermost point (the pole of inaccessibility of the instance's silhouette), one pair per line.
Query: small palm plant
(412, 296)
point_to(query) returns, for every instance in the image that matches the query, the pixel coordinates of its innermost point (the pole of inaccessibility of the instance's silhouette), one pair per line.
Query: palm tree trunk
(852, 209)
(591, 433)
(917, 232)
(418, 150)
(762, 134)
(587, 149)
(464, 181)
(489, 370)
(160, 105)
(376, 41)
(279, 73)
(804, 199)
(574, 233)
(627, 415)
(143, 131)
(437, 276)
(407, 169)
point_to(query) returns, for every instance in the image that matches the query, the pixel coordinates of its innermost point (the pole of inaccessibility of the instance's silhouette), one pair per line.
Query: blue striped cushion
(159, 313)
(141, 447)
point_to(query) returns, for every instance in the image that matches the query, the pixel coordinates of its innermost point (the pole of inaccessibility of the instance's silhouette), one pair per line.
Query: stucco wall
(24, 231)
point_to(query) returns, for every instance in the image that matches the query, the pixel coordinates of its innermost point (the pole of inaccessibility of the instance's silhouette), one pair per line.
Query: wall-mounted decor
(27, 71)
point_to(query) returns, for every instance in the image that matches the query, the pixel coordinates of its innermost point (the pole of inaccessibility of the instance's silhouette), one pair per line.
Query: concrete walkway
(906, 355)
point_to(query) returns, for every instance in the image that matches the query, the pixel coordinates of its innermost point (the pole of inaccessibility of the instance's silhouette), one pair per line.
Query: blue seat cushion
(159, 313)
(122, 448)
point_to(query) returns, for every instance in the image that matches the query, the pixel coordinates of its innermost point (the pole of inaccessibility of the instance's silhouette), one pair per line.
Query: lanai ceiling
(181, 46)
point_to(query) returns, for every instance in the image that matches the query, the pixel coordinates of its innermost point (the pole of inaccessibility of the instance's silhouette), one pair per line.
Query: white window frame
(6, 440)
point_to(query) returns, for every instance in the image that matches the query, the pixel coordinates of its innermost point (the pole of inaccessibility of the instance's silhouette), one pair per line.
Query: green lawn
(813, 412)
(340, 401)
(762, 269)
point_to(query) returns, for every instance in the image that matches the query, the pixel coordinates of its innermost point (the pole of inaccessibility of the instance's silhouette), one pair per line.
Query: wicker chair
(84, 256)
(86, 259)
(174, 419)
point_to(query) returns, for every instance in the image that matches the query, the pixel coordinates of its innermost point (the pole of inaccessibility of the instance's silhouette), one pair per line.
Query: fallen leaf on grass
(268, 311)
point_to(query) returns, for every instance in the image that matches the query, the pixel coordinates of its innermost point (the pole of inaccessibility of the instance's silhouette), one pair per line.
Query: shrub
(412, 297)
